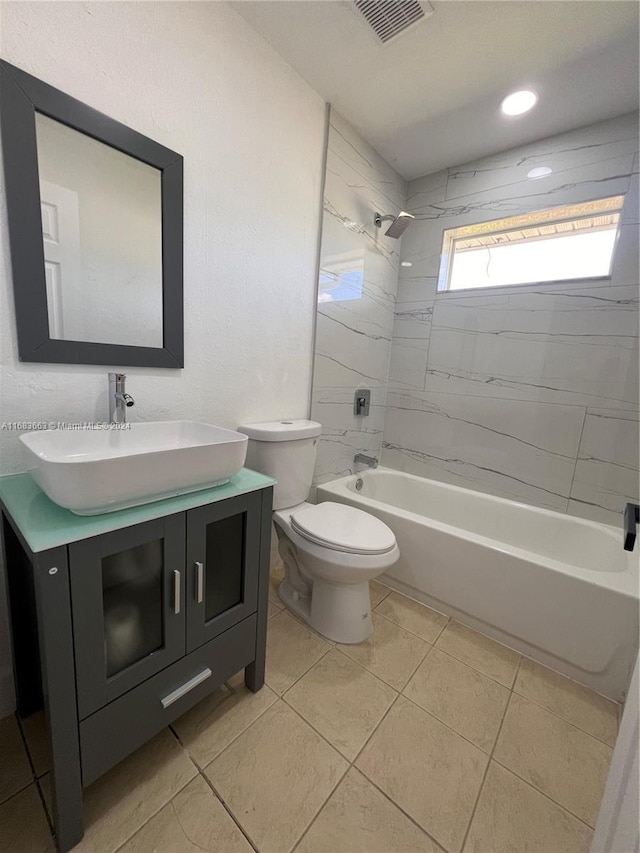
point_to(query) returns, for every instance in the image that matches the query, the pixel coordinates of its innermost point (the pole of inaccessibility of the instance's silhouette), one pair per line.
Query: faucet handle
(631, 521)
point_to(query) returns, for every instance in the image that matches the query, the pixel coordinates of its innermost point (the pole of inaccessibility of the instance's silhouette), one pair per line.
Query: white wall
(196, 78)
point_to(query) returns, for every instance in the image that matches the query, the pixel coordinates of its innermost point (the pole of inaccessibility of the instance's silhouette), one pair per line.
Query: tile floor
(428, 737)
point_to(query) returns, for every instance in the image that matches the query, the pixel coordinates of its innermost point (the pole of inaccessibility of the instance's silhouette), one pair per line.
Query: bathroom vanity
(121, 622)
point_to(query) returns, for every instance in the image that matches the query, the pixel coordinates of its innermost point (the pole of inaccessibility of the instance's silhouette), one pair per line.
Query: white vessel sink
(91, 471)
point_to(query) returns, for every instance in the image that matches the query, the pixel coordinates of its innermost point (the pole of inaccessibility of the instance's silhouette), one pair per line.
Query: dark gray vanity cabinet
(118, 634)
(144, 596)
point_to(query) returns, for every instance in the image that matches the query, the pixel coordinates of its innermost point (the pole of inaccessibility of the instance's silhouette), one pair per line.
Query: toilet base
(340, 613)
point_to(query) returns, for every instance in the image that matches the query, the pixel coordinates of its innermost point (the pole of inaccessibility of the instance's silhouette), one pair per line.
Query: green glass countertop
(46, 525)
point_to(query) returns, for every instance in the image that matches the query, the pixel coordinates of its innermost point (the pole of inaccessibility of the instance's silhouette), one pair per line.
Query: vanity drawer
(119, 728)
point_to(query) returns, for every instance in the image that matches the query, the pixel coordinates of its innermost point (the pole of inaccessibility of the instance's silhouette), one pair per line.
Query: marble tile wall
(528, 392)
(355, 317)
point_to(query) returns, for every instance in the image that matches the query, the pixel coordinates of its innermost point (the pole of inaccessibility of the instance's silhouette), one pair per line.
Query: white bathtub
(557, 588)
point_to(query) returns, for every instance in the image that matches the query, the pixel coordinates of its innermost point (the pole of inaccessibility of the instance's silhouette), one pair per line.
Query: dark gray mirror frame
(21, 96)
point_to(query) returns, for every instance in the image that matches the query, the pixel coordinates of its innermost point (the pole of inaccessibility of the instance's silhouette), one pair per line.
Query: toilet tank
(286, 451)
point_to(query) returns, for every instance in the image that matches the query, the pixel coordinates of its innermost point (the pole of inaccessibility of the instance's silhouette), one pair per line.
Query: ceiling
(430, 98)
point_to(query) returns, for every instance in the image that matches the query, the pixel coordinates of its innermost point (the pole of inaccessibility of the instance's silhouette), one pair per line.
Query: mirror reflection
(102, 236)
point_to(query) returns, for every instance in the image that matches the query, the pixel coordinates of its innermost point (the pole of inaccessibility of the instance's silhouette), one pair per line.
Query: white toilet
(330, 550)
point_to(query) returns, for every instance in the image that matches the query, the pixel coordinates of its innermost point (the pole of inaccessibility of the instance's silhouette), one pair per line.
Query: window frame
(449, 239)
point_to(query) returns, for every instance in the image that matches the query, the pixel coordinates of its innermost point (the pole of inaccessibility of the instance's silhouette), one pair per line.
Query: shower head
(398, 225)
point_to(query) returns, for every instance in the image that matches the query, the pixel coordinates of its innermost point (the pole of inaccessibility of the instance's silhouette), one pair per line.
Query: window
(564, 243)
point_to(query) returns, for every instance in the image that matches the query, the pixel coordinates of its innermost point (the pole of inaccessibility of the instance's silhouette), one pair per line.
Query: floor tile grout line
(522, 658)
(407, 630)
(515, 677)
(565, 720)
(158, 810)
(450, 728)
(280, 695)
(486, 770)
(35, 778)
(233, 740)
(400, 809)
(351, 660)
(47, 816)
(473, 668)
(393, 591)
(453, 621)
(326, 739)
(200, 772)
(430, 648)
(324, 803)
(306, 625)
(391, 800)
(25, 745)
(466, 662)
(311, 726)
(413, 672)
(228, 810)
(527, 781)
(320, 735)
(21, 790)
(382, 719)
(513, 693)
(352, 764)
(542, 793)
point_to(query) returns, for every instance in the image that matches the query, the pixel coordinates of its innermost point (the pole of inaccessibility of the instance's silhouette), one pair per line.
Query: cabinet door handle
(181, 691)
(199, 582)
(176, 591)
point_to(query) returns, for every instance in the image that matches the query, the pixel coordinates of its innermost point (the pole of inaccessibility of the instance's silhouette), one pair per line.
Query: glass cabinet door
(133, 611)
(127, 597)
(223, 553)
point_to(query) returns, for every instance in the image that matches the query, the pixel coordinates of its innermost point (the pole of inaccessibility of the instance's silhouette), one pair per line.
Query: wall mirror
(95, 226)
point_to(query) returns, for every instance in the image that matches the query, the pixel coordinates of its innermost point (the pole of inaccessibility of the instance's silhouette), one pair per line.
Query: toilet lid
(343, 528)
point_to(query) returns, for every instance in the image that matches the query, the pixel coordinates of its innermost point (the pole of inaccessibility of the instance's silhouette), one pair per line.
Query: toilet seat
(344, 528)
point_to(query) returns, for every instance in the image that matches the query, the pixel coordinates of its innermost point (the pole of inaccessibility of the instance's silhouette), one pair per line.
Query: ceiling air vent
(389, 18)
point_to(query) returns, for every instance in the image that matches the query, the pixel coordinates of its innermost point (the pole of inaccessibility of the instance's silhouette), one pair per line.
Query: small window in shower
(573, 242)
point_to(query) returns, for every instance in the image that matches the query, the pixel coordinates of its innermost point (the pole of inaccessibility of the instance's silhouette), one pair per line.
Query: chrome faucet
(119, 400)
(363, 459)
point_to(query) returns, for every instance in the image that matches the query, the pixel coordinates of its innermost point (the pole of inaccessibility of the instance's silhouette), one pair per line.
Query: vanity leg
(254, 673)
(53, 604)
(23, 621)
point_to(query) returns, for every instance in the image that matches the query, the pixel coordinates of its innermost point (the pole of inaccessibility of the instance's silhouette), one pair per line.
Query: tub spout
(631, 521)
(363, 459)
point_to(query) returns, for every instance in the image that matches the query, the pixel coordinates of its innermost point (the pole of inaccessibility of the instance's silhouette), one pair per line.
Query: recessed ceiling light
(539, 172)
(406, 264)
(518, 103)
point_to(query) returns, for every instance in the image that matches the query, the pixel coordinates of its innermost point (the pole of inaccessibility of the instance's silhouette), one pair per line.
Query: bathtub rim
(624, 582)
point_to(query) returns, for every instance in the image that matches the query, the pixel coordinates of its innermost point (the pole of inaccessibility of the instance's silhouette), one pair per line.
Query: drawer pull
(199, 582)
(176, 591)
(181, 691)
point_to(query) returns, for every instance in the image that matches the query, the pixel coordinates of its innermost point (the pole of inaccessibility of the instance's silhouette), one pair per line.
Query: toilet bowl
(328, 567)
(330, 551)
